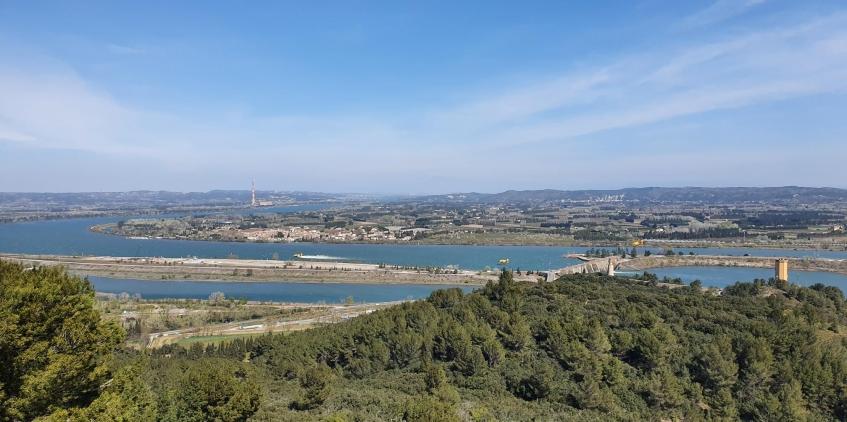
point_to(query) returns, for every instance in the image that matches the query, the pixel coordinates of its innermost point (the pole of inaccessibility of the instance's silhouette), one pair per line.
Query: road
(327, 315)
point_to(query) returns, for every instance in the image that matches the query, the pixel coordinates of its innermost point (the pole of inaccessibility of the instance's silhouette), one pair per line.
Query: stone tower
(613, 262)
(781, 269)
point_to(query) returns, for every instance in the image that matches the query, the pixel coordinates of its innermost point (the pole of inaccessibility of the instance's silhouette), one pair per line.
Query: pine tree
(54, 348)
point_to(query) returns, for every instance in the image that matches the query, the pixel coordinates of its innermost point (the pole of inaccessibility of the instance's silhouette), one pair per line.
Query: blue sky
(426, 97)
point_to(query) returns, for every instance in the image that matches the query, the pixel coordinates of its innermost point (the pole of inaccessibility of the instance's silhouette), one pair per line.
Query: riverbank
(488, 239)
(256, 270)
(799, 264)
(519, 239)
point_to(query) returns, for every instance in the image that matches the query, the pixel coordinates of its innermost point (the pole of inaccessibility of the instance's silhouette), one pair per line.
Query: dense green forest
(586, 347)
(60, 361)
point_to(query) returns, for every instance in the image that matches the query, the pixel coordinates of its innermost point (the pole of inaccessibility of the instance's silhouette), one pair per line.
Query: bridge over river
(611, 264)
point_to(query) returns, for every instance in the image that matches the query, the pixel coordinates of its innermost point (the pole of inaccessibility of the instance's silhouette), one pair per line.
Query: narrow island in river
(229, 269)
(224, 269)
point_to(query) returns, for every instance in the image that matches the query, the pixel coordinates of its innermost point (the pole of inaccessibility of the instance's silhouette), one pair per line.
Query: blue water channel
(724, 276)
(333, 293)
(73, 237)
(330, 293)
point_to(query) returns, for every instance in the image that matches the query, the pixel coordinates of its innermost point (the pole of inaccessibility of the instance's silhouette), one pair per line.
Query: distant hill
(795, 194)
(150, 199)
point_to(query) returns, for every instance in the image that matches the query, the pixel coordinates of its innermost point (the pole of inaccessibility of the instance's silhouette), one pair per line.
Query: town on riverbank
(802, 218)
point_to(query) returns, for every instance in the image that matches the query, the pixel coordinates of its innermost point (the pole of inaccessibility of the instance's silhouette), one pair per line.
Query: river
(334, 293)
(724, 276)
(73, 237)
(330, 293)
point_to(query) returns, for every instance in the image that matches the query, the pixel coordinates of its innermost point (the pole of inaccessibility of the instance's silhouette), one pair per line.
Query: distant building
(253, 190)
(781, 269)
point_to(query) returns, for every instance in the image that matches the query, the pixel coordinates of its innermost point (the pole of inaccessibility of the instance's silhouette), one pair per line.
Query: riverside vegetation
(585, 347)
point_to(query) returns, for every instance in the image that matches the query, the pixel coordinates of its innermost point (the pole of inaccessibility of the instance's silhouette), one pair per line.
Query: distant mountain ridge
(149, 198)
(784, 194)
(797, 194)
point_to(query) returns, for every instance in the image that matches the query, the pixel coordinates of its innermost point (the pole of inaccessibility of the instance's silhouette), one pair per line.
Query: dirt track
(326, 315)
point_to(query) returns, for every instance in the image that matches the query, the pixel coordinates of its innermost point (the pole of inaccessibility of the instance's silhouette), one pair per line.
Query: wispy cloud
(54, 107)
(57, 108)
(749, 69)
(565, 91)
(11, 136)
(719, 11)
(124, 49)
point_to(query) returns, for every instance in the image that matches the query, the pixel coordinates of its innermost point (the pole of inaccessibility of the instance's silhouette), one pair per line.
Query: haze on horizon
(427, 98)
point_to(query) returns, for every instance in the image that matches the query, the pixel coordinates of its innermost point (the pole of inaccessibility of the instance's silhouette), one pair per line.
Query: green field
(214, 339)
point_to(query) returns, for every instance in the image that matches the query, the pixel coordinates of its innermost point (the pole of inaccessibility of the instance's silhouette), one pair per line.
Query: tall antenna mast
(253, 189)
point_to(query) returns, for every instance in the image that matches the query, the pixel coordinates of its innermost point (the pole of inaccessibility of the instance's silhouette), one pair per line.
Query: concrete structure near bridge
(597, 265)
(780, 265)
(781, 269)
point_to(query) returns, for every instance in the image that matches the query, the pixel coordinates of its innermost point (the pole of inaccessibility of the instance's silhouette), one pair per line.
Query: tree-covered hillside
(60, 361)
(586, 347)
